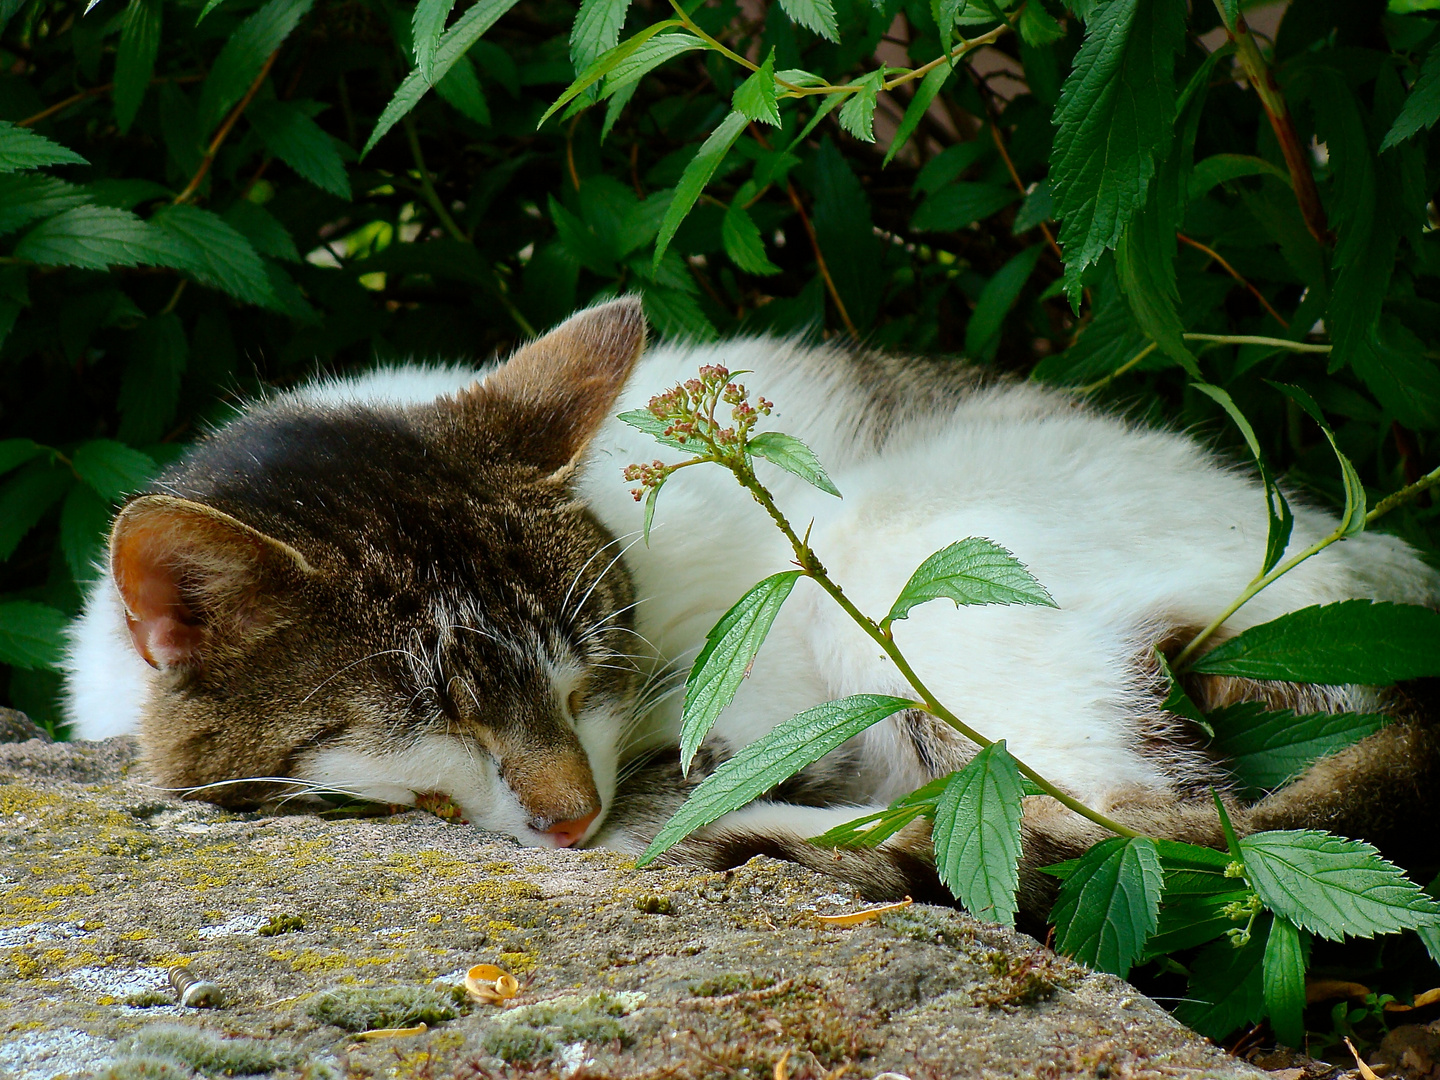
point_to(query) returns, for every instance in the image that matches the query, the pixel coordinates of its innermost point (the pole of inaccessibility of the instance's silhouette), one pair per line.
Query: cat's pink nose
(567, 833)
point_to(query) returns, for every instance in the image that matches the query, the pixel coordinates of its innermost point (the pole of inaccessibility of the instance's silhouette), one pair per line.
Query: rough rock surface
(309, 923)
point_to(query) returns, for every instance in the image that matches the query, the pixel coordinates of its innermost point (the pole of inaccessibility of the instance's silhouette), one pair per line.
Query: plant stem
(1212, 253)
(810, 565)
(220, 136)
(1384, 506)
(820, 262)
(1256, 339)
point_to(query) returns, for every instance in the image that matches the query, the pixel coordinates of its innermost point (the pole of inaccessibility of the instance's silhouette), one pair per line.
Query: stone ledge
(105, 883)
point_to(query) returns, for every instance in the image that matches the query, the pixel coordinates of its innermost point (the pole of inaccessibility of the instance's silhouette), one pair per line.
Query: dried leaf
(1429, 997)
(1330, 989)
(490, 985)
(393, 1033)
(864, 914)
(1366, 1073)
(441, 805)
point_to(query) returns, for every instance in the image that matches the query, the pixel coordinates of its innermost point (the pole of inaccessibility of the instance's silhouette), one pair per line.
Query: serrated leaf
(630, 69)
(454, 43)
(596, 30)
(1037, 209)
(28, 198)
(1352, 520)
(1332, 886)
(960, 204)
(96, 237)
(930, 86)
(21, 148)
(644, 420)
(1353, 641)
(1284, 981)
(725, 659)
(774, 757)
(697, 174)
(741, 237)
(426, 26)
(1109, 904)
(32, 636)
(150, 387)
(1221, 168)
(857, 115)
(135, 58)
(244, 54)
(1279, 515)
(816, 15)
(755, 97)
(294, 138)
(216, 254)
(1193, 870)
(265, 233)
(1422, 104)
(676, 313)
(793, 456)
(84, 519)
(970, 571)
(872, 830)
(1117, 107)
(982, 332)
(1037, 26)
(1191, 920)
(461, 88)
(1112, 340)
(977, 835)
(601, 68)
(1266, 750)
(24, 498)
(1226, 985)
(16, 452)
(1177, 701)
(112, 469)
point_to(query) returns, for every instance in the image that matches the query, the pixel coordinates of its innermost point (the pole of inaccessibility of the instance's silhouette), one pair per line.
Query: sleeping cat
(416, 583)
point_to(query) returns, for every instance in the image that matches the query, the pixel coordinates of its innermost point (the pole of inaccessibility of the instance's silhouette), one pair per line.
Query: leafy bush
(1152, 204)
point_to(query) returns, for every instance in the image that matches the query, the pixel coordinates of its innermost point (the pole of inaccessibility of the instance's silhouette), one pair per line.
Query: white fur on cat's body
(1132, 530)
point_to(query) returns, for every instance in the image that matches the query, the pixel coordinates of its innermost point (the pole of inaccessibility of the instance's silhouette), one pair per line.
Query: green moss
(209, 1053)
(1022, 980)
(281, 924)
(730, 983)
(921, 924)
(364, 1008)
(144, 1068)
(650, 904)
(148, 999)
(534, 1031)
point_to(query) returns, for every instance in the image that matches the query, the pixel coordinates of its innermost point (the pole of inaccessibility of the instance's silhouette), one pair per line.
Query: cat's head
(396, 602)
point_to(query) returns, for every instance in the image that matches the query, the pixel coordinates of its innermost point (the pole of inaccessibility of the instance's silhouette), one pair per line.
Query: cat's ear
(192, 577)
(553, 394)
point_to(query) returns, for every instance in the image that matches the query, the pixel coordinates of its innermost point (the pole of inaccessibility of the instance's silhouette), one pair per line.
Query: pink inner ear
(163, 629)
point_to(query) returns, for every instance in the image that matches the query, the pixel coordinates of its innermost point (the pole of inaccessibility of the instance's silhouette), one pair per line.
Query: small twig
(820, 258)
(1198, 246)
(224, 132)
(174, 297)
(570, 151)
(96, 91)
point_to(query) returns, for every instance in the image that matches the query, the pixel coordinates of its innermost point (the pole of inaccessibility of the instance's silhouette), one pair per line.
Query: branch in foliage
(97, 91)
(1212, 253)
(220, 136)
(820, 259)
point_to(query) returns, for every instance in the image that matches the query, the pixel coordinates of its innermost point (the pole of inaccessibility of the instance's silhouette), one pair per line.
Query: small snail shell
(195, 993)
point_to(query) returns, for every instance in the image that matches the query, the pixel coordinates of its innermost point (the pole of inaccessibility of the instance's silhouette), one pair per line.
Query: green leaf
(644, 420)
(816, 15)
(1284, 975)
(602, 67)
(697, 174)
(596, 30)
(25, 497)
(1352, 521)
(454, 44)
(1037, 209)
(1109, 904)
(1112, 340)
(266, 235)
(1194, 870)
(150, 388)
(650, 54)
(977, 835)
(135, 58)
(676, 313)
(1188, 921)
(857, 115)
(793, 456)
(1332, 886)
(21, 148)
(461, 88)
(755, 97)
(84, 521)
(16, 452)
(725, 659)
(776, 756)
(244, 54)
(872, 830)
(1116, 109)
(113, 469)
(1422, 104)
(426, 26)
(1353, 641)
(961, 204)
(216, 254)
(970, 571)
(741, 237)
(96, 237)
(1281, 518)
(294, 138)
(930, 86)
(1037, 26)
(982, 332)
(1177, 701)
(1226, 985)
(1222, 168)
(28, 198)
(31, 635)
(1266, 750)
